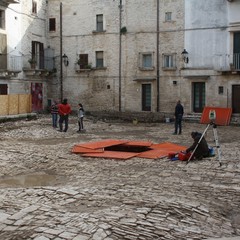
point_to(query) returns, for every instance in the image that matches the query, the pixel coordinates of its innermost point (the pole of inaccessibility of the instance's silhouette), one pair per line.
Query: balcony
(11, 65)
(227, 63)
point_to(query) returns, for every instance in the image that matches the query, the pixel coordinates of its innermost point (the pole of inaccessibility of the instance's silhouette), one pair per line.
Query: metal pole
(158, 80)
(61, 60)
(120, 56)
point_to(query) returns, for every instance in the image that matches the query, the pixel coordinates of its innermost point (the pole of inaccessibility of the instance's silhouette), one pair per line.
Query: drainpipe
(61, 60)
(158, 81)
(120, 57)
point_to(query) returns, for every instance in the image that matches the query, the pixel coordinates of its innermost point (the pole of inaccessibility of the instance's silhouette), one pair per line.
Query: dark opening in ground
(125, 148)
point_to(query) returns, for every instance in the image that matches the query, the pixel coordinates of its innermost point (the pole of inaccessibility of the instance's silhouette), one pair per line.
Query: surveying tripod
(216, 142)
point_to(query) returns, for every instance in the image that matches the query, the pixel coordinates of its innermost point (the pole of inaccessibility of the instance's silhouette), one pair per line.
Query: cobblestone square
(47, 192)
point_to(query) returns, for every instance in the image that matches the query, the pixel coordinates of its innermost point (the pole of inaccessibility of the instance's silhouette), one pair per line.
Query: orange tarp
(154, 154)
(111, 154)
(80, 149)
(170, 147)
(223, 115)
(138, 144)
(153, 151)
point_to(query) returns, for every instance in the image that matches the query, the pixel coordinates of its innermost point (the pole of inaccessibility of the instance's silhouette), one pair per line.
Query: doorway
(236, 98)
(37, 96)
(146, 97)
(199, 96)
(3, 89)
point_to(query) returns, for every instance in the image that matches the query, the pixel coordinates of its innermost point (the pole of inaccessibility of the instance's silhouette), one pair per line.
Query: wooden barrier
(15, 104)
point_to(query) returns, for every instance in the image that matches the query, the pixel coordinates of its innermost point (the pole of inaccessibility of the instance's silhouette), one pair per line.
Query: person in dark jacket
(179, 111)
(64, 109)
(202, 150)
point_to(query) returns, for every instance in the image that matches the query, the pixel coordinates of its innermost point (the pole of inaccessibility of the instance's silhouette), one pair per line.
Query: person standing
(64, 109)
(54, 112)
(179, 111)
(80, 118)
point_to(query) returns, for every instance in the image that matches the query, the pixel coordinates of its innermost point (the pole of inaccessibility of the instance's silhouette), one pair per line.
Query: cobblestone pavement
(49, 193)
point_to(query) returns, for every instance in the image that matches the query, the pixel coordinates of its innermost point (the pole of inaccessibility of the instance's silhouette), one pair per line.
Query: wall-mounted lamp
(65, 59)
(185, 56)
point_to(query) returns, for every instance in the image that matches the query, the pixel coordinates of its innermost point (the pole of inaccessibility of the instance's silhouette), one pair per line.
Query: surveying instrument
(212, 118)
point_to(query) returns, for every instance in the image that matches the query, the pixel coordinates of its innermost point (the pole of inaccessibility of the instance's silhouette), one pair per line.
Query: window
(52, 24)
(146, 61)
(83, 61)
(168, 16)
(169, 61)
(2, 19)
(220, 90)
(99, 23)
(34, 7)
(99, 59)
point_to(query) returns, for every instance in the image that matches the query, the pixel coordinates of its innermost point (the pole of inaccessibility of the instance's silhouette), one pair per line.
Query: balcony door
(38, 54)
(236, 50)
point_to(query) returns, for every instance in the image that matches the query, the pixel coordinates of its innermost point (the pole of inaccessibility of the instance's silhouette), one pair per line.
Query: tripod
(216, 142)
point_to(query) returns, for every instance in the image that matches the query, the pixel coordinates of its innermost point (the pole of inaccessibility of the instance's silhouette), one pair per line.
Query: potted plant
(32, 62)
(89, 66)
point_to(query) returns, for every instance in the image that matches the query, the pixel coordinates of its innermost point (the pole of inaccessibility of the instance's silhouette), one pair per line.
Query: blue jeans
(54, 119)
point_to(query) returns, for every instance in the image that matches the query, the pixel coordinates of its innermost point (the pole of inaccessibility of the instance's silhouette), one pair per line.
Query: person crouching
(202, 149)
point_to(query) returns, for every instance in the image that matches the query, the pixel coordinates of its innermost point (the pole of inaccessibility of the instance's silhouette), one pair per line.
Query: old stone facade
(139, 70)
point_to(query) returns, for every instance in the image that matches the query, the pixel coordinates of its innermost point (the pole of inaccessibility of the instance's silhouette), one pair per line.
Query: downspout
(120, 57)
(61, 60)
(158, 80)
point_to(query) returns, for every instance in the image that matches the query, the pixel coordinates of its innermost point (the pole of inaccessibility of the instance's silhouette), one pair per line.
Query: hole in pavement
(121, 148)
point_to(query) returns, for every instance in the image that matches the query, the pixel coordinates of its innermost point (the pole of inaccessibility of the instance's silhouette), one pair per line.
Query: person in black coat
(202, 149)
(178, 117)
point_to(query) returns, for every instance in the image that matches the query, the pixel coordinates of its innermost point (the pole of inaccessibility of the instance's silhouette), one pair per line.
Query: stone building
(128, 56)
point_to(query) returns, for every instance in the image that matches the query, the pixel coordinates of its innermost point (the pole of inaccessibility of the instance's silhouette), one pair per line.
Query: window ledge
(169, 68)
(146, 68)
(83, 70)
(99, 68)
(98, 32)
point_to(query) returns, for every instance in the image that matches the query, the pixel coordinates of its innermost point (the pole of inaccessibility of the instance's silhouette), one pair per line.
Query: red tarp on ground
(223, 115)
(154, 154)
(80, 149)
(170, 147)
(154, 151)
(112, 154)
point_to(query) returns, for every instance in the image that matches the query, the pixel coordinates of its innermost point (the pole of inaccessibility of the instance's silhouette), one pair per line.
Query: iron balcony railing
(227, 62)
(19, 63)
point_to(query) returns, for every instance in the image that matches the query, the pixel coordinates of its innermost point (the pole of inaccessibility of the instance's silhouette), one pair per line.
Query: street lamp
(185, 56)
(65, 59)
